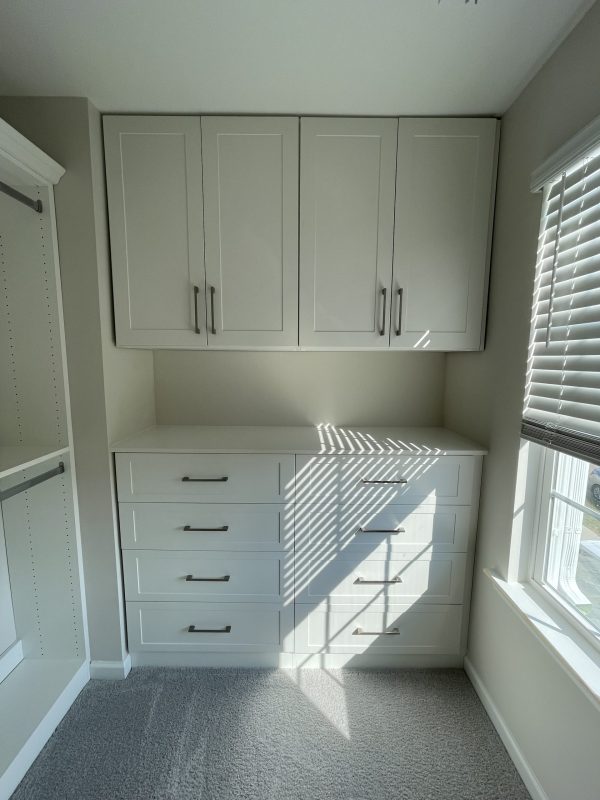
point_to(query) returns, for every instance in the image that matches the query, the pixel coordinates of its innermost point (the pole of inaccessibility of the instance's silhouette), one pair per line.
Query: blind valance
(562, 397)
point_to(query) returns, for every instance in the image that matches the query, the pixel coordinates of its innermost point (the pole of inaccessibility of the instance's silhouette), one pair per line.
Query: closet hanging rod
(22, 198)
(25, 485)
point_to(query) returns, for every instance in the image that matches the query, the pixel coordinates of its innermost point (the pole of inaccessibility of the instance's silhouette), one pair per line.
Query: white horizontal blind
(562, 400)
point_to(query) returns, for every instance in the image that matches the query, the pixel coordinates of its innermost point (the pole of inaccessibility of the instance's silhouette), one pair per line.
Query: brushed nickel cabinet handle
(194, 629)
(398, 330)
(223, 579)
(213, 329)
(397, 579)
(391, 531)
(391, 632)
(196, 321)
(382, 328)
(368, 481)
(222, 529)
(187, 479)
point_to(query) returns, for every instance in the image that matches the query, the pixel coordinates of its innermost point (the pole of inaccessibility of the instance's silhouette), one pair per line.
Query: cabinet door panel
(444, 201)
(251, 223)
(154, 183)
(346, 231)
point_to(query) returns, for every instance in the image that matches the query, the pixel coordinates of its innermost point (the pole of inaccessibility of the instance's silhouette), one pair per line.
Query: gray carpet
(186, 734)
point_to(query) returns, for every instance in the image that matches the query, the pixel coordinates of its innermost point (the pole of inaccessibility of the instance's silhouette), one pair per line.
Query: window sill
(563, 641)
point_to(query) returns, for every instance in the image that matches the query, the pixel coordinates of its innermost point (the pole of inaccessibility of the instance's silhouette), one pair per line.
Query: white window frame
(539, 551)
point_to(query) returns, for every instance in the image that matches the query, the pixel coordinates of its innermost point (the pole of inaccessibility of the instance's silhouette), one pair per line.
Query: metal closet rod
(22, 198)
(25, 485)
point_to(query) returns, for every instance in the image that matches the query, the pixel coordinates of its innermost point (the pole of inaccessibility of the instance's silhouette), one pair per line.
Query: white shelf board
(33, 699)
(318, 440)
(14, 458)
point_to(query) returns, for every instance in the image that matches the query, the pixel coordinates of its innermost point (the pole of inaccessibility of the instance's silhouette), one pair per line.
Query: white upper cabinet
(444, 203)
(154, 184)
(347, 174)
(233, 232)
(250, 169)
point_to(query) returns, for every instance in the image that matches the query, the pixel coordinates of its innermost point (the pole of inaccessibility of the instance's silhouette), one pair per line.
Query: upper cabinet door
(251, 228)
(154, 184)
(444, 203)
(347, 169)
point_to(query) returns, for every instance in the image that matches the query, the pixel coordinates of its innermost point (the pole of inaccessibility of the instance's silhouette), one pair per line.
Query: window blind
(562, 397)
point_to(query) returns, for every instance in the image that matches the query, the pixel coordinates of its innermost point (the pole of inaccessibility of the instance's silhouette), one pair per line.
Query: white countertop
(318, 440)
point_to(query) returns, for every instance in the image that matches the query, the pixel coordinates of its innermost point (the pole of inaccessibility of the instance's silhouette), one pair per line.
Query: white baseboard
(528, 776)
(110, 670)
(10, 658)
(293, 660)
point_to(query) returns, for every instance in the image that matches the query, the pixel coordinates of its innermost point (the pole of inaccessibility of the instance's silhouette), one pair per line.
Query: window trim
(538, 556)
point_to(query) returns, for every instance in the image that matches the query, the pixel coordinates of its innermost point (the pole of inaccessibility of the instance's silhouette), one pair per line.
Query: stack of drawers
(207, 551)
(383, 553)
(339, 555)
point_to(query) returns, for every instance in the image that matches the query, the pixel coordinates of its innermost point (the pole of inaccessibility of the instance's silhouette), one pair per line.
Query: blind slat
(562, 402)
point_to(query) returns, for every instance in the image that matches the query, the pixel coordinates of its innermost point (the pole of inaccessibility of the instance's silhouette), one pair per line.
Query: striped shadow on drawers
(379, 529)
(340, 480)
(398, 629)
(402, 578)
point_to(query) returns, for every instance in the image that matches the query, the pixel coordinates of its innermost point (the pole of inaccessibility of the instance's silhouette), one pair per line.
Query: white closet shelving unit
(44, 659)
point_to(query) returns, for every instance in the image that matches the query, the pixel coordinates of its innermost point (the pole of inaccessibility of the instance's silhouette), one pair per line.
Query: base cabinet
(368, 556)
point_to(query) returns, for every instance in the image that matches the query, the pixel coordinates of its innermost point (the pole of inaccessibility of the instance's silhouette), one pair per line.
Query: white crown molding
(23, 162)
(572, 150)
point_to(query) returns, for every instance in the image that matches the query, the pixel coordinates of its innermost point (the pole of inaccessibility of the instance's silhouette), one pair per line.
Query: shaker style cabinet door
(250, 169)
(154, 185)
(347, 171)
(444, 203)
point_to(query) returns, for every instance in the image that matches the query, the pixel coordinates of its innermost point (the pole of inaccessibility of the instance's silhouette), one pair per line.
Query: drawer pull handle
(392, 531)
(187, 479)
(213, 329)
(397, 579)
(194, 629)
(224, 579)
(222, 529)
(392, 632)
(399, 323)
(384, 297)
(368, 480)
(196, 321)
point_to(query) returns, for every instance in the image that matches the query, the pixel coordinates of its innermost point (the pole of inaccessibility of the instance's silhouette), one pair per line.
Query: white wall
(67, 129)
(231, 388)
(549, 716)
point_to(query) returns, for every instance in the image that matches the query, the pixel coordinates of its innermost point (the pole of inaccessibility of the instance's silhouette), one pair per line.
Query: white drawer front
(403, 629)
(160, 477)
(164, 627)
(435, 579)
(383, 529)
(330, 480)
(205, 526)
(212, 576)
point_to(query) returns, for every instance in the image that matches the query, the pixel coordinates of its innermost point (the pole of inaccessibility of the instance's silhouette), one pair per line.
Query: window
(567, 558)
(562, 400)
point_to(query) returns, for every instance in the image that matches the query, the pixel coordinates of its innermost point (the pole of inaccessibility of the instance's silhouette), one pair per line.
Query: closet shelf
(14, 458)
(50, 686)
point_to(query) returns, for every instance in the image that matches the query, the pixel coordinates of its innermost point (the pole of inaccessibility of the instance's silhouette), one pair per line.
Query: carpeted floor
(186, 734)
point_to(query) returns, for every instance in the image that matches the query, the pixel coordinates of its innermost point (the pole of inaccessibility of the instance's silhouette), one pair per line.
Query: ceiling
(282, 56)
